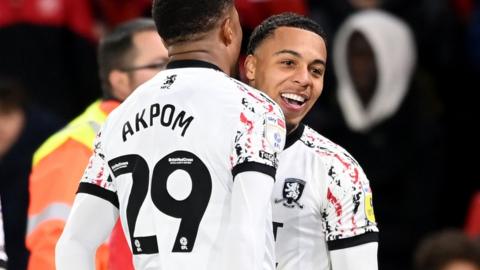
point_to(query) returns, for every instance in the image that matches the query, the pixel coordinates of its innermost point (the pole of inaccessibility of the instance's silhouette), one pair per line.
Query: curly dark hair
(287, 19)
(183, 20)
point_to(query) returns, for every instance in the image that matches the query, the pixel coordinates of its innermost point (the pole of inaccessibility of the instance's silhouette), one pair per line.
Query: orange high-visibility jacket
(58, 166)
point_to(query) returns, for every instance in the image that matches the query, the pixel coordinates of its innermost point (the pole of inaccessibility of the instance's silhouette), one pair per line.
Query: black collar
(294, 136)
(190, 64)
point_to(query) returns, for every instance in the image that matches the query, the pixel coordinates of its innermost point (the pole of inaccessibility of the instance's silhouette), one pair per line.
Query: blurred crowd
(410, 120)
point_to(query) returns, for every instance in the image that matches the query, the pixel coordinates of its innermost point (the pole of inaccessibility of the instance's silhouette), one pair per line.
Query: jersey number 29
(190, 210)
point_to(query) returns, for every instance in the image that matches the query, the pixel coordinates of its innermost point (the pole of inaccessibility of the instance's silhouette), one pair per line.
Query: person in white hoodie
(389, 121)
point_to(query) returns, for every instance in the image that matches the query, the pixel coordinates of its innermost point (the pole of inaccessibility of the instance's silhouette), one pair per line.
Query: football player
(188, 160)
(323, 215)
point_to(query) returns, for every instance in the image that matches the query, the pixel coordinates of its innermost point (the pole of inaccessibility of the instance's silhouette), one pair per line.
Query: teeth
(294, 97)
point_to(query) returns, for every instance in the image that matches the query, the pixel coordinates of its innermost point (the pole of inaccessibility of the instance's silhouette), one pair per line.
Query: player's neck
(291, 128)
(203, 50)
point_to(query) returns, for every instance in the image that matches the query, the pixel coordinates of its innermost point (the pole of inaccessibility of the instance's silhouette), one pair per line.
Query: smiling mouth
(293, 100)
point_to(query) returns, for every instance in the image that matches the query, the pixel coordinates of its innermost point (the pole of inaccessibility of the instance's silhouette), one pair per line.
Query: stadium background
(48, 46)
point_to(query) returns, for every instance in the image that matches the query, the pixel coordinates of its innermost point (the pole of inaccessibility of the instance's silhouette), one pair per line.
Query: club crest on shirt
(169, 81)
(292, 192)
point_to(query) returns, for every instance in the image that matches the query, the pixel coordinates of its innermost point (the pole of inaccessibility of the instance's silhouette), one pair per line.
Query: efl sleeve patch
(275, 132)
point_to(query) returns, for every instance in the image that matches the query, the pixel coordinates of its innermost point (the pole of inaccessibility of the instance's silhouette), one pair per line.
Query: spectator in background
(23, 128)
(448, 250)
(330, 14)
(390, 124)
(12, 115)
(130, 55)
(49, 45)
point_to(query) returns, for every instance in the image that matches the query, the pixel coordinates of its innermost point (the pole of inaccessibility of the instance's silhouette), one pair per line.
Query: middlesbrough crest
(292, 192)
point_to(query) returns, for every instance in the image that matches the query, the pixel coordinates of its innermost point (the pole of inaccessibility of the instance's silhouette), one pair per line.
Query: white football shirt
(167, 157)
(321, 202)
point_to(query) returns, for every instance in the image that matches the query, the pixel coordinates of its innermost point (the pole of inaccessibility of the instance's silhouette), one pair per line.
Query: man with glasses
(130, 55)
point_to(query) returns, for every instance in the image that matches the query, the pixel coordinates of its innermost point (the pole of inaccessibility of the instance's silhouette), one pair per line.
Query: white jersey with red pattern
(321, 202)
(173, 149)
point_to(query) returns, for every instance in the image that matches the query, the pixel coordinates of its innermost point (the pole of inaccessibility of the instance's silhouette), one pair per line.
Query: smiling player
(323, 214)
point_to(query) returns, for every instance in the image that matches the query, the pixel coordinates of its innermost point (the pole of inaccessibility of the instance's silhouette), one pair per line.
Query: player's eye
(317, 71)
(287, 62)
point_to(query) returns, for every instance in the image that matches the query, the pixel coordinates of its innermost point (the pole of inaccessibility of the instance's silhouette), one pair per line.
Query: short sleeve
(347, 210)
(260, 137)
(96, 179)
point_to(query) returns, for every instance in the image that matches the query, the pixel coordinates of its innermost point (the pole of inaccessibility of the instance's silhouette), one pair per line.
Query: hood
(395, 55)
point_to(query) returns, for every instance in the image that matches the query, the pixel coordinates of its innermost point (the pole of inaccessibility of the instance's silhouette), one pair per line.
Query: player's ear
(165, 44)
(119, 84)
(250, 66)
(227, 34)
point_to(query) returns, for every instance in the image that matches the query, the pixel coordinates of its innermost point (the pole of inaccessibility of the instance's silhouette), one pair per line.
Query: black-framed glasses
(149, 66)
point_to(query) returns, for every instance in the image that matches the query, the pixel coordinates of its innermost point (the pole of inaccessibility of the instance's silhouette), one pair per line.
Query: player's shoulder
(321, 145)
(198, 78)
(257, 99)
(328, 152)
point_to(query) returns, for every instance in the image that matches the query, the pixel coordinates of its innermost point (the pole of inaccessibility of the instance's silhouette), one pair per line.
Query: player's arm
(361, 257)
(88, 226)
(93, 215)
(352, 233)
(250, 213)
(255, 161)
